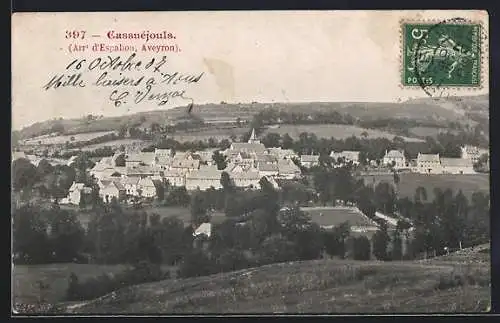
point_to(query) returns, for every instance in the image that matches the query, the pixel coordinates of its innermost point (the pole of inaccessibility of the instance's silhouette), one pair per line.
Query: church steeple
(253, 138)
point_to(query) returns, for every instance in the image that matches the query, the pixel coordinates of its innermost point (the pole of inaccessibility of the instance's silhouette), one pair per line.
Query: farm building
(267, 169)
(110, 189)
(175, 177)
(288, 170)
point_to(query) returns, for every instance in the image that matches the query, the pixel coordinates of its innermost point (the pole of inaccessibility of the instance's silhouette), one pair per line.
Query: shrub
(142, 272)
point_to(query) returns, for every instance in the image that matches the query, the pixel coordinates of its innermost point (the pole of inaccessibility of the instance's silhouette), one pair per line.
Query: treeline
(257, 231)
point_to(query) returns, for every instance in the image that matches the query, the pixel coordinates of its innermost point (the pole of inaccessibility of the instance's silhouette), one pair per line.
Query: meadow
(320, 286)
(334, 130)
(57, 140)
(410, 181)
(326, 216)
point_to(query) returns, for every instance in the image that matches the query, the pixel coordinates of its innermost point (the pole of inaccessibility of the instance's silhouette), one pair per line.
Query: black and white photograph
(250, 162)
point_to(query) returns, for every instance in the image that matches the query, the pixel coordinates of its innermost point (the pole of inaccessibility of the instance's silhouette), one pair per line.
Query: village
(246, 164)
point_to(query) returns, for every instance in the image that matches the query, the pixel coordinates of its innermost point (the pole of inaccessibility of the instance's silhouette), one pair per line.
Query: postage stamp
(441, 54)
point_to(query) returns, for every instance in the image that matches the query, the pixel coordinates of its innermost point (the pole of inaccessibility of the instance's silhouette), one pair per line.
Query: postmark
(440, 55)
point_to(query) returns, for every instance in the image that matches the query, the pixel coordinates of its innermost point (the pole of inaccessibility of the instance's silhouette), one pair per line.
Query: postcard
(245, 162)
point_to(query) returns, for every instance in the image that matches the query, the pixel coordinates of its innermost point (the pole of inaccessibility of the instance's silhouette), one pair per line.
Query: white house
(204, 178)
(396, 157)
(457, 166)
(146, 187)
(280, 153)
(288, 170)
(428, 164)
(112, 189)
(184, 166)
(309, 161)
(203, 229)
(175, 177)
(249, 178)
(142, 158)
(346, 155)
(473, 153)
(130, 184)
(267, 169)
(75, 193)
(163, 152)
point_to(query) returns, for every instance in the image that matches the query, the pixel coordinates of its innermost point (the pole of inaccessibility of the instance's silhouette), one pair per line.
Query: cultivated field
(322, 286)
(429, 131)
(204, 135)
(57, 140)
(116, 144)
(410, 181)
(334, 130)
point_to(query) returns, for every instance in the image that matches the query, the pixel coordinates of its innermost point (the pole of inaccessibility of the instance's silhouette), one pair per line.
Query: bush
(361, 248)
(140, 273)
(196, 264)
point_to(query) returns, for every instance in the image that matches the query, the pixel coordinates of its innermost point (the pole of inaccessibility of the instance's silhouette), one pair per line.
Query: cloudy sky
(246, 56)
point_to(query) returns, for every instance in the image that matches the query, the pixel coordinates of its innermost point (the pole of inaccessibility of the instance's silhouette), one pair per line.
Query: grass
(410, 181)
(334, 130)
(25, 279)
(335, 216)
(322, 286)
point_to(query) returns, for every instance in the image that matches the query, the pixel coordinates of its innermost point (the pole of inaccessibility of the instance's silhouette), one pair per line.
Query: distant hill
(321, 286)
(425, 109)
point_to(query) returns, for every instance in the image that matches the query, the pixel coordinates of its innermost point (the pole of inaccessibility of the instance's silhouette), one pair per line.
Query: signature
(131, 80)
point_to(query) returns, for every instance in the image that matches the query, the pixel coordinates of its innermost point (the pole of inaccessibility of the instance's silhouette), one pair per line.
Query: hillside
(448, 284)
(447, 109)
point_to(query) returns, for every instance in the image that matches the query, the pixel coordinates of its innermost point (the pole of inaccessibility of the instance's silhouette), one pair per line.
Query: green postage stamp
(442, 54)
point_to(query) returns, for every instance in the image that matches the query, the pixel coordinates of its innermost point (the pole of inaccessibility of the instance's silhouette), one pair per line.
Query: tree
(23, 174)
(66, 235)
(361, 248)
(287, 141)
(30, 240)
(220, 160)
(385, 197)
(277, 248)
(380, 242)
(198, 210)
(120, 160)
(178, 196)
(397, 246)
(420, 194)
(225, 181)
(271, 140)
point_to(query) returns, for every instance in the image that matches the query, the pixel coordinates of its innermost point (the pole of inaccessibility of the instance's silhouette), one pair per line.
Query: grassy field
(326, 216)
(322, 286)
(409, 183)
(63, 139)
(25, 279)
(333, 130)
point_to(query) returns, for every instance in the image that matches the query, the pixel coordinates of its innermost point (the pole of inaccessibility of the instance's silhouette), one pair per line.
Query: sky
(307, 56)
